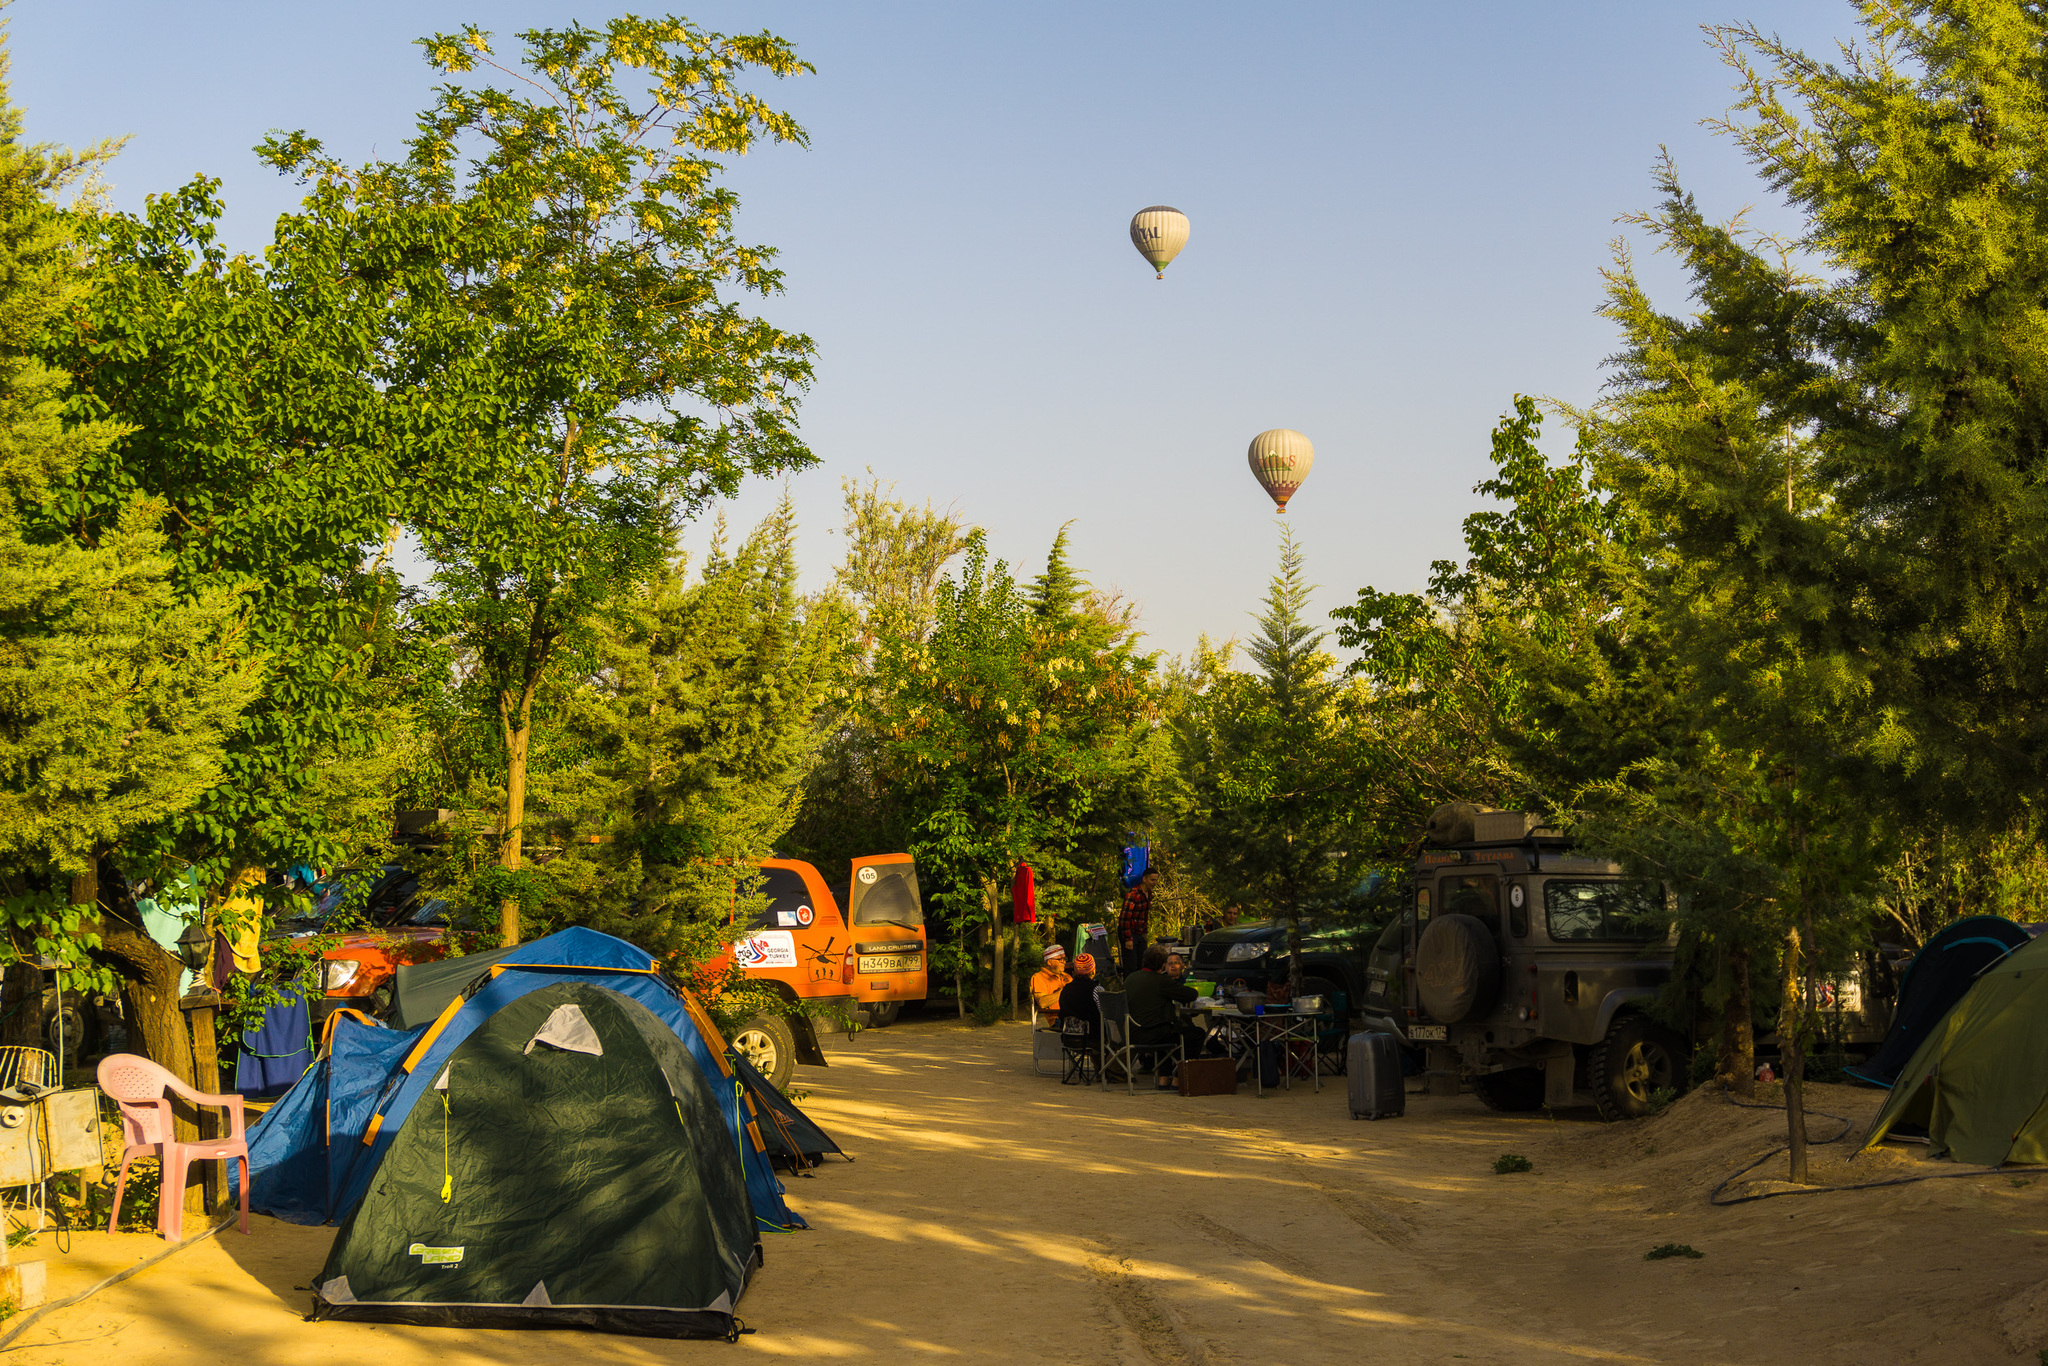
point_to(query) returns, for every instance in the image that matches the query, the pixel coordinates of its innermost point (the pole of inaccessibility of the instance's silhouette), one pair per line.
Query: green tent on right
(1979, 1082)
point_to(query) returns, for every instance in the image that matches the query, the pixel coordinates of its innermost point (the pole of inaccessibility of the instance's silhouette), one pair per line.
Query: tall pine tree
(1275, 766)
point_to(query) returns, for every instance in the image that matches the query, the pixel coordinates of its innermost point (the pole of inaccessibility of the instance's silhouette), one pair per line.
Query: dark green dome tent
(1978, 1083)
(551, 1154)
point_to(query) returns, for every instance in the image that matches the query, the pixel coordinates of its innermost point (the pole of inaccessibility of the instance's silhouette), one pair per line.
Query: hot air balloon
(1280, 461)
(1159, 233)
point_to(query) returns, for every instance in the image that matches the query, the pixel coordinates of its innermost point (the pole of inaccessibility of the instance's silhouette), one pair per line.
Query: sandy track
(994, 1215)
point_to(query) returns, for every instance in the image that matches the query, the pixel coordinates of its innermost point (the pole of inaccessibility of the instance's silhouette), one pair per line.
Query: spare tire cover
(1457, 968)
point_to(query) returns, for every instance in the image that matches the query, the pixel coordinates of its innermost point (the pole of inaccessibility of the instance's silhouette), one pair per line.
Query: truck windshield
(1603, 910)
(891, 899)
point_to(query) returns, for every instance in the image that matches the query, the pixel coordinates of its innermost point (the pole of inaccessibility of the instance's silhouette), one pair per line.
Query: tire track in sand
(1386, 1226)
(1144, 1316)
(1230, 1240)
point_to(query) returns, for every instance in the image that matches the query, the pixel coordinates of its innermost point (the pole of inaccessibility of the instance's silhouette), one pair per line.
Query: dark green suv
(1527, 971)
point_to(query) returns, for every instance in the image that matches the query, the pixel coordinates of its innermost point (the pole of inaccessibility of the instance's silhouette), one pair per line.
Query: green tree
(246, 398)
(896, 555)
(700, 726)
(1277, 764)
(559, 357)
(1748, 573)
(115, 688)
(1006, 731)
(1907, 362)
(1523, 671)
(1084, 868)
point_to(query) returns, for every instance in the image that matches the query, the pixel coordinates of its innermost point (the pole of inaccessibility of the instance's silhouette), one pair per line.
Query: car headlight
(342, 971)
(1242, 953)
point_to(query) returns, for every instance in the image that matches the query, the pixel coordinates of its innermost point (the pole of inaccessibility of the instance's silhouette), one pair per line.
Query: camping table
(1274, 1027)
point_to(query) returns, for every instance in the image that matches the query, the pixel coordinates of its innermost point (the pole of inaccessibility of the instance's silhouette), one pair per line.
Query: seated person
(1153, 994)
(1080, 1017)
(1049, 981)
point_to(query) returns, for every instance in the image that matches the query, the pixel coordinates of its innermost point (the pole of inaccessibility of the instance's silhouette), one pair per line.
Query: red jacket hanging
(1024, 897)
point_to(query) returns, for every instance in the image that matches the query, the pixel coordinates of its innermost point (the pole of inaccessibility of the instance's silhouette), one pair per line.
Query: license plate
(1431, 1033)
(891, 962)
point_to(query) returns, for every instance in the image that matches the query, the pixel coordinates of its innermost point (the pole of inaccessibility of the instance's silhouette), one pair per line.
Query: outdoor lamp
(195, 947)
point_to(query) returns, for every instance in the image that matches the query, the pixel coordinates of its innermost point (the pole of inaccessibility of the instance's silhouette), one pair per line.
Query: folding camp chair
(1118, 1047)
(1045, 1040)
(1080, 1052)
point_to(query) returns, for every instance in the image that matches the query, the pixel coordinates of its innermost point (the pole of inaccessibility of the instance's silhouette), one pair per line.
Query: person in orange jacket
(1050, 980)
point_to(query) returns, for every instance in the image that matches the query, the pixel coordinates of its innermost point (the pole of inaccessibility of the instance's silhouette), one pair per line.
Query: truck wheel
(1518, 1088)
(1637, 1060)
(883, 1013)
(767, 1042)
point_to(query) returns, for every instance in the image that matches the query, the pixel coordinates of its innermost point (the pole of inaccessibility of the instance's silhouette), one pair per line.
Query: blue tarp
(278, 1051)
(301, 1175)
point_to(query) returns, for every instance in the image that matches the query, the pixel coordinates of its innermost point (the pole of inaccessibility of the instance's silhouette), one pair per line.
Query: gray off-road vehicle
(1527, 971)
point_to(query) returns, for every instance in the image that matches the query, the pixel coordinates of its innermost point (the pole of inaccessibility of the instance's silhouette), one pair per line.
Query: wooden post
(204, 1197)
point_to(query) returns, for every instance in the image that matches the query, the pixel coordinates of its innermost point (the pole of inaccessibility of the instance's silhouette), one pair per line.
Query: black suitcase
(1372, 1071)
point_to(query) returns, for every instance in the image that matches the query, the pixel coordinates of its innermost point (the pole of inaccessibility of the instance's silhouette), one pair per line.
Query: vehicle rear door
(886, 911)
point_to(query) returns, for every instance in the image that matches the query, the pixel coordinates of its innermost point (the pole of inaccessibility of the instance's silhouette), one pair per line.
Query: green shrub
(987, 1012)
(1660, 1098)
(1663, 1250)
(1512, 1162)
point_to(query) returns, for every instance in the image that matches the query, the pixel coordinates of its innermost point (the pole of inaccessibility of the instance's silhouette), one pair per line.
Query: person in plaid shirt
(1135, 923)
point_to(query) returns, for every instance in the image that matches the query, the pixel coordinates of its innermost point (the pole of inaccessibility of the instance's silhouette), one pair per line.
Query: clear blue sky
(1400, 214)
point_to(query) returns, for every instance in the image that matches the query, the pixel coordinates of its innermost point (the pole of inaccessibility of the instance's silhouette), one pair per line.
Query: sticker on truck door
(766, 949)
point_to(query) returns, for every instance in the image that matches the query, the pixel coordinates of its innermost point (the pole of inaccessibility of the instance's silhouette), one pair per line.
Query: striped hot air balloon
(1280, 461)
(1159, 233)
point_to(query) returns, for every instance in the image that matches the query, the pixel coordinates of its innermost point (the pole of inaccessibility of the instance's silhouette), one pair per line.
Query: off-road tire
(1517, 1089)
(883, 1013)
(769, 1044)
(1636, 1059)
(1457, 969)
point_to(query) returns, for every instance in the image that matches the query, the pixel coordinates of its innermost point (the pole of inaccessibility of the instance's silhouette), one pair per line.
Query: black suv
(1334, 961)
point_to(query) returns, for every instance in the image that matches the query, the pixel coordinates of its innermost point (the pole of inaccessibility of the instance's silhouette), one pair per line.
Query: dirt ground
(994, 1215)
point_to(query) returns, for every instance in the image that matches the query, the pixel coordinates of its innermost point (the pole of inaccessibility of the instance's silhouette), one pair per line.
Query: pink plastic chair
(138, 1086)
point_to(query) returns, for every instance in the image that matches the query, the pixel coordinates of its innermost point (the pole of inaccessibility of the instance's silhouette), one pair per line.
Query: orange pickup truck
(859, 947)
